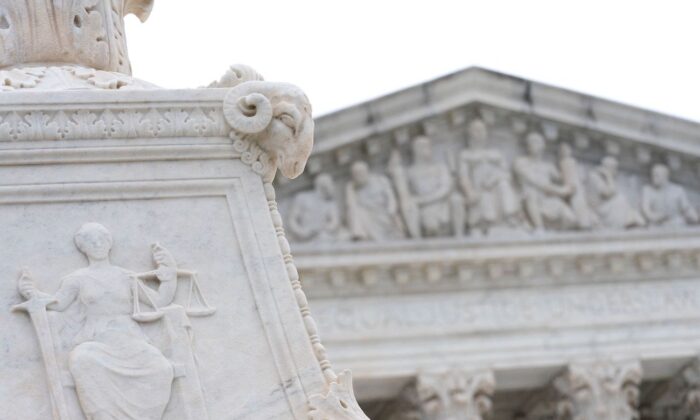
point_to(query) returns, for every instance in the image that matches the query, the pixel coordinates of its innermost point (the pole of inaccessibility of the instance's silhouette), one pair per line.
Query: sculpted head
(94, 240)
(534, 143)
(324, 185)
(610, 164)
(277, 116)
(360, 173)
(659, 175)
(422, 149)
(478, 134)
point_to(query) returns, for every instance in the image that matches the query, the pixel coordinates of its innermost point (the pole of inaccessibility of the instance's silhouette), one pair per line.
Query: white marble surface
(192, 193)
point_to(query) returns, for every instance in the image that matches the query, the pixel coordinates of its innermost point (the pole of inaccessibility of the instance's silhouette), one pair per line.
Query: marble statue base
(188, 305)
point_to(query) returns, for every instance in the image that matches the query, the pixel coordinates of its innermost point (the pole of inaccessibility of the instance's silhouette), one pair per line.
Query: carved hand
(167, 267)
(26, 286)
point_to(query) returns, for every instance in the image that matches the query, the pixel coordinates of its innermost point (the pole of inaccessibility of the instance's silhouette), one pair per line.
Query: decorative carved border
(112, 123)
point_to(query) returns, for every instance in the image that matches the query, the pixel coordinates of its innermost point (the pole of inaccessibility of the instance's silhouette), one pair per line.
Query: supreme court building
(482, 246)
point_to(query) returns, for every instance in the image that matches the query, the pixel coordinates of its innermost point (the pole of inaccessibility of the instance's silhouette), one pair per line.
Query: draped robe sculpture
(373, 212)
(485, 179)
(666, 204)
(118, 373)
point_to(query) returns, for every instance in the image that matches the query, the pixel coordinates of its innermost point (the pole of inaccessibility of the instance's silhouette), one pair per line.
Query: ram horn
(247, 111)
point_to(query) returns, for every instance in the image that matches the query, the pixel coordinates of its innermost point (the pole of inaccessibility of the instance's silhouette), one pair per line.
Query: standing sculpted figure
(118, 374)
(485, 180)
(373, 212)
(612, 208)
(544, 194)
(315, 214)
(571, 177)
(666, 204)
(441, 209)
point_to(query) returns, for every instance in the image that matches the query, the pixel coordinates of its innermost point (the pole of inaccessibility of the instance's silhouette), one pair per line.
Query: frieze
(568, 307)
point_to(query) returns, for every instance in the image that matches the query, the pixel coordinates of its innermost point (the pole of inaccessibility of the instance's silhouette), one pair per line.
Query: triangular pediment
(481, 194)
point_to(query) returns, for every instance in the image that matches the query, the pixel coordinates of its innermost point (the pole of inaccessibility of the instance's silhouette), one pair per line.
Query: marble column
(599, 391)
(454, 395)
(676, 399)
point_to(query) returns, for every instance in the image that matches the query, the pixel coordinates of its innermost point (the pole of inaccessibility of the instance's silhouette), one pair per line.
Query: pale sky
(644, 53)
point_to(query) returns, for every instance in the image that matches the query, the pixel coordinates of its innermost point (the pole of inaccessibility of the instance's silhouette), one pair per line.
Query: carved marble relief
(485, 180)
(545, 195)
(432, 205)
(86, 32)
(677, 398)
(599, 391)
(315, 216)
(103, 355)
(454, 395)
(372, 207)
(485, 187)
(612, 208)
(666, 204)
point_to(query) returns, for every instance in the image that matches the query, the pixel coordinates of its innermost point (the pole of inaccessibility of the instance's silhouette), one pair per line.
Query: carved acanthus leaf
(338, 403)
(599, 391)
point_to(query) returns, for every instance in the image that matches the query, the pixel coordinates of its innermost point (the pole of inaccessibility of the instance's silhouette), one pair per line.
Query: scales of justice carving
(116, 370)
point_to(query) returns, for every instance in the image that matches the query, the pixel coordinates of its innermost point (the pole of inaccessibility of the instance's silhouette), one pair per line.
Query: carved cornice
(445, 99)
(452, 264)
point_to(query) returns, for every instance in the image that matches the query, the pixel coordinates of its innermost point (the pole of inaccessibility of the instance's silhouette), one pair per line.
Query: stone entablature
(413, 267)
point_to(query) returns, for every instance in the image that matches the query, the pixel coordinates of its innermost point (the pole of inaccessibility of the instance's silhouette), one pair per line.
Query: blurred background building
(483, 246)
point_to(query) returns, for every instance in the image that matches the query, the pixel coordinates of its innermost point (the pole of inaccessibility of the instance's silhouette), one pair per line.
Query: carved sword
(36, 308)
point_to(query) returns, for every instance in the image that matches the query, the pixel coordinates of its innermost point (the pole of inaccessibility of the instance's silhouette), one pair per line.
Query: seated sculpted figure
(666, 204)
(612, 207)
(485, 180)
(372, 208)
(315, 215)
(118, 374)
(441, 209)
(544, 194)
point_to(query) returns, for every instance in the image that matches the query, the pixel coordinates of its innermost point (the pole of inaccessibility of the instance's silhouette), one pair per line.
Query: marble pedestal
(153, 167)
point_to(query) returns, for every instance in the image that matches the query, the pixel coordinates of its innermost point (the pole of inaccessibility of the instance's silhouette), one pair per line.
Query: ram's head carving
(276, 116)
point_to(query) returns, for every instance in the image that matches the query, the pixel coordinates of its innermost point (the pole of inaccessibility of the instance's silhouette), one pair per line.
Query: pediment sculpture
(430, 188)
(110, 362)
